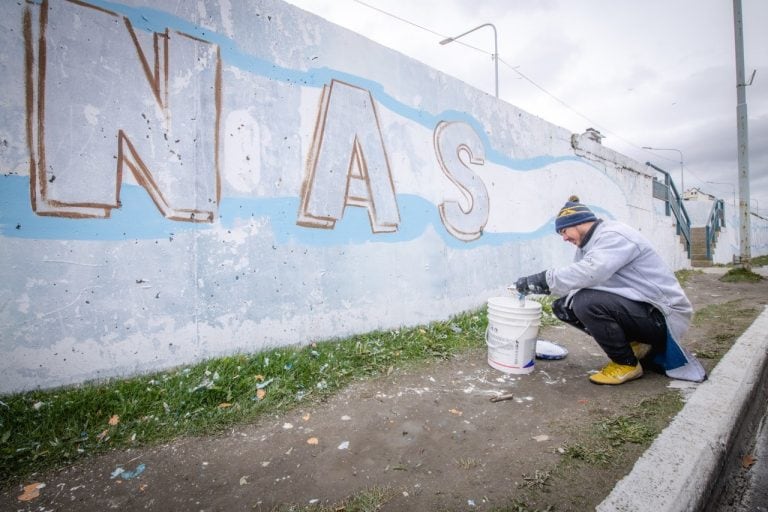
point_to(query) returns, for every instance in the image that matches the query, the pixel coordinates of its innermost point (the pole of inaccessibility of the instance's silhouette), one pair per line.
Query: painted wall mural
(163, 118)
(185, 180)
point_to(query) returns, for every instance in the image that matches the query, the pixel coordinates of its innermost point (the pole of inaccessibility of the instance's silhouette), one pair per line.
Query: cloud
(652, 73)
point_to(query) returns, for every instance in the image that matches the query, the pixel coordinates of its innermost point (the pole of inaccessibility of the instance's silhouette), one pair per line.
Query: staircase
(699, 253)
(699, 242)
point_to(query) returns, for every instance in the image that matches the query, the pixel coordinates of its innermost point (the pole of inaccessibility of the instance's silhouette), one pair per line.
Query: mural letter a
(348, 163)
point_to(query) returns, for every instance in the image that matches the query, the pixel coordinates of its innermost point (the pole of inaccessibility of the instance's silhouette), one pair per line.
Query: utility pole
(741, 122)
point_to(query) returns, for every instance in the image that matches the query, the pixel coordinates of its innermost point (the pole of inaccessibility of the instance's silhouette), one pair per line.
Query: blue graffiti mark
(139, 219)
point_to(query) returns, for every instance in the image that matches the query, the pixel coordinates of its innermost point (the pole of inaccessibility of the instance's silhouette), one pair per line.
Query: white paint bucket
(513, 327)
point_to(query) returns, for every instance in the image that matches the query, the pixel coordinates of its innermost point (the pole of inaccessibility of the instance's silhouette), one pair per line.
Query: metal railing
(715, 221)
(668, 193)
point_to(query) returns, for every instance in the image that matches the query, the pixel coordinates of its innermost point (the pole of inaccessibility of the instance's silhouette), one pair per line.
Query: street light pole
(682, 174)
(495, 48)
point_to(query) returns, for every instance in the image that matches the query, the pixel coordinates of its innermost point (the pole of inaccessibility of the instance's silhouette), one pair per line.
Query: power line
(542, 89)
(513, 68)
(528, 79)
(382, 11)
(398, 18)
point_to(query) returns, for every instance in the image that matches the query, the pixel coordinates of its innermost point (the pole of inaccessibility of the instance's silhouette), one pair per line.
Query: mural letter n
(102, 95)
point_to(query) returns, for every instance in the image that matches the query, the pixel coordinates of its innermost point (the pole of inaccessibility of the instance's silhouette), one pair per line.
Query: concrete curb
(679, 469)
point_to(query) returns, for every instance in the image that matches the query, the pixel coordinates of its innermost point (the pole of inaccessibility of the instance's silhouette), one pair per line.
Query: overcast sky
(656, 73)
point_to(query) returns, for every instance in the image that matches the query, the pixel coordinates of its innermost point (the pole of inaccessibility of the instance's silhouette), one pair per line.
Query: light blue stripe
(138, 218)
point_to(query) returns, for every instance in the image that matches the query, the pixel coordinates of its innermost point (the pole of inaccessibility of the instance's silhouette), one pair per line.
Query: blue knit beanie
(572, 214)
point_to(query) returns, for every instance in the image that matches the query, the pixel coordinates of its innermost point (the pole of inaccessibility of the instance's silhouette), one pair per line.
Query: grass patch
(725, 323)
(608, 436)
(521, 506)
(709, 354)
(608, 446)
(726, 313)
(538, 480)
(759, 261)
(547, 317)
(368, 500)
(468, 463)
(741, 275)
(588, 454)
(626, 429)
(41, 430)
(685, 274)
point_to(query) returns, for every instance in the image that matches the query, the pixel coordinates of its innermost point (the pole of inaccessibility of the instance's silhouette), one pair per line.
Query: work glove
(535, 283)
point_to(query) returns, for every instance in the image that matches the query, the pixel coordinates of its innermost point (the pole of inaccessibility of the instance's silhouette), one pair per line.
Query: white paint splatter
(225, 9)
(91, 114)
(23, 303)
(242, 151)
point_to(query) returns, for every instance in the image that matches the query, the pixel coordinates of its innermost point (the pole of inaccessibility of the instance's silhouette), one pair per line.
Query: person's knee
(582, 305)
(562, 312)
(565, 314)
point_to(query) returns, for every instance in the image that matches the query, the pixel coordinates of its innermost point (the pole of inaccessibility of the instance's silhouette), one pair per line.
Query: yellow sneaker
(614, 374)
(640, 349)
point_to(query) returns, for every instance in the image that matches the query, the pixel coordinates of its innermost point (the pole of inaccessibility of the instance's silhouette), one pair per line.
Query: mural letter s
(452, 139)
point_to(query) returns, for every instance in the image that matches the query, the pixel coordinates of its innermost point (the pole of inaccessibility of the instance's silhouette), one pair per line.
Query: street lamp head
(665, 149)
(682, 172)
(495, 48)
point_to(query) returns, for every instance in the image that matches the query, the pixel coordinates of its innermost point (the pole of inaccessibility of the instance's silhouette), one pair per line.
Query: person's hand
(535, 283)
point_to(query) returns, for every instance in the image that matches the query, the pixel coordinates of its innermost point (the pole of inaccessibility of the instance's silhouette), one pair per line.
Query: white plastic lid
(550, 350)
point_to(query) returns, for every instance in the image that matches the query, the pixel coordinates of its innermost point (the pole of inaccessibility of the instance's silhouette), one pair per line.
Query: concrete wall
(182, 180)
(758, 236)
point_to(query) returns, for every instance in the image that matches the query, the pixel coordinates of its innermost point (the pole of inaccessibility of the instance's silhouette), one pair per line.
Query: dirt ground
(426, 438)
